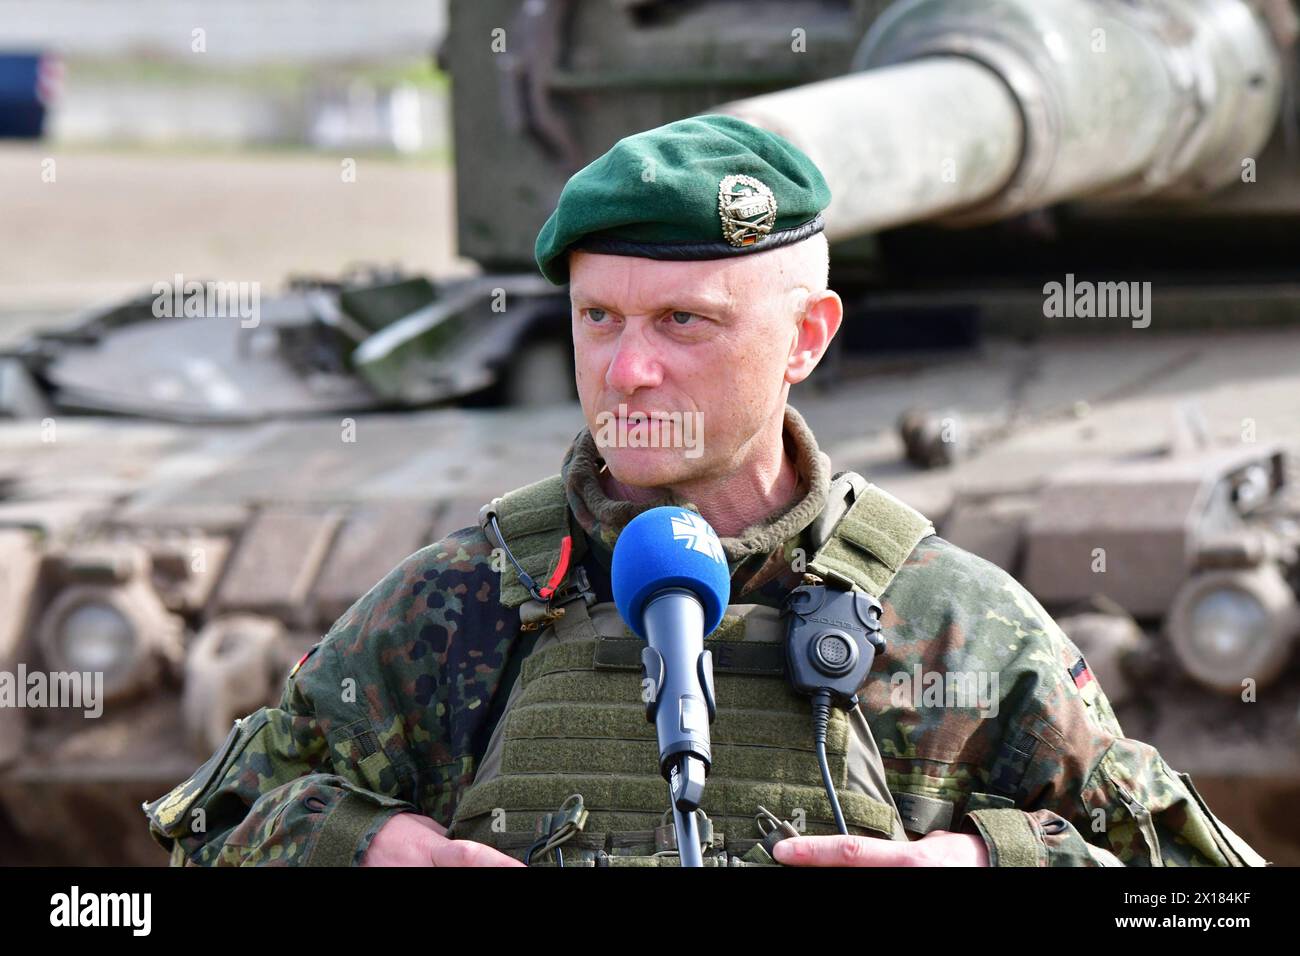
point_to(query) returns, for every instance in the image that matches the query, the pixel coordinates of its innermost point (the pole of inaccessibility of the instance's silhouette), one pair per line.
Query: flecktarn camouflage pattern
(986, 716)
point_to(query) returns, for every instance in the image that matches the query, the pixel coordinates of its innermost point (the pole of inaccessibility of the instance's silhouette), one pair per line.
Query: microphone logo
(698, 536)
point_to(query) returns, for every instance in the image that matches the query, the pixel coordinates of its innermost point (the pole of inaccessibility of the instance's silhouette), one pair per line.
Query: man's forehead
(638, 284)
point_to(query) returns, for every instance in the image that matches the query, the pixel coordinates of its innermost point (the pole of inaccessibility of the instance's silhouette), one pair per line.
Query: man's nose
(633, 366)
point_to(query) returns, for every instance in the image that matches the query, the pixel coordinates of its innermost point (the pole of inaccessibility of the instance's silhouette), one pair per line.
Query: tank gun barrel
(976, 110)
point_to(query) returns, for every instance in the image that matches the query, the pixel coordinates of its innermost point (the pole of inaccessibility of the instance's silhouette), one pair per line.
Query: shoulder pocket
(358, 755)
(169, 814)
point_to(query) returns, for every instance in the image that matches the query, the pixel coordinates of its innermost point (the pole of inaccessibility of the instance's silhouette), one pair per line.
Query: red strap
(561, 569)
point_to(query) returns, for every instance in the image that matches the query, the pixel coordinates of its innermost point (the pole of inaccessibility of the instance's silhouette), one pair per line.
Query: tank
(368, 340)
(191, 565)
(1018, 183)
(1170, 560)
(976, 149)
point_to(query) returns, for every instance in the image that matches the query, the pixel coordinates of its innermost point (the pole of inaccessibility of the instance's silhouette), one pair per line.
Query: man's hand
(939, 848)
(409, 839)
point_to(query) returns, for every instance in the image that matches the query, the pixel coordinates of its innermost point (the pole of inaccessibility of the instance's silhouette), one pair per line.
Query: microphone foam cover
(664, 548)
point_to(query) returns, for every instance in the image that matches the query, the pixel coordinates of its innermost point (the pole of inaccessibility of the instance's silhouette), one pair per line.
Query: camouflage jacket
(393, 709)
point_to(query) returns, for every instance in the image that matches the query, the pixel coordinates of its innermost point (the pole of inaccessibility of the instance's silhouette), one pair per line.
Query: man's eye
(684, 318)
(596, 315)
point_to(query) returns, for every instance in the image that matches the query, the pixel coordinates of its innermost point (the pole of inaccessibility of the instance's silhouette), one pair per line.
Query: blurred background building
(171, 125)
(292, 74)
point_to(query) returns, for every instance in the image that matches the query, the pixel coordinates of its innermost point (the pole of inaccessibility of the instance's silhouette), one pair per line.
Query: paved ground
(114, 222)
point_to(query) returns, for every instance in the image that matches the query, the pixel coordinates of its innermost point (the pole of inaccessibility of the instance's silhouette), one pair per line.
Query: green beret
(708, 187)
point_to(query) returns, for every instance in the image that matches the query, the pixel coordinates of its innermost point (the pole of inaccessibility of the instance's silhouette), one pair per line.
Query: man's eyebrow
(705, 305)
(579, 298)
(679, 302)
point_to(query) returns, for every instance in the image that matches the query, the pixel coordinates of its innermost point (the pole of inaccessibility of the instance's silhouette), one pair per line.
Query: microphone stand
(682, 728)
(685, 791)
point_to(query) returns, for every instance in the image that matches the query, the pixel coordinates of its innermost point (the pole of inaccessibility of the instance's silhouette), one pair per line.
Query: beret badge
(747, 208)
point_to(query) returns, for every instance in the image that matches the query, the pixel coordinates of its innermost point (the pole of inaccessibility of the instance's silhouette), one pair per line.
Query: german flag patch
(303, 660)
(1083, 680)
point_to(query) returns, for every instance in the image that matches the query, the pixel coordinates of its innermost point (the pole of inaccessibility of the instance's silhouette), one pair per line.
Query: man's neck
(766, 483)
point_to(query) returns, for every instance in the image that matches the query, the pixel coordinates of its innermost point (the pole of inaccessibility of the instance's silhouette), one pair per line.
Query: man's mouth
(644, 416)
(652, 429)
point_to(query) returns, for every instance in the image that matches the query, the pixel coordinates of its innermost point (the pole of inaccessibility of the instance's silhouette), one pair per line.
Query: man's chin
(649, 467)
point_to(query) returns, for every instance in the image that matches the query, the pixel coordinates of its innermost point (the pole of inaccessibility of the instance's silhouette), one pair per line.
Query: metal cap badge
(747, 208)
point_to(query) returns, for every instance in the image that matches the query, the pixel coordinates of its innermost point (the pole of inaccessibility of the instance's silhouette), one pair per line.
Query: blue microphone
(671, 584)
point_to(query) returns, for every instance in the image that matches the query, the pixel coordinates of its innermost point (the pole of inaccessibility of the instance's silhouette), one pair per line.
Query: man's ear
(822, 314)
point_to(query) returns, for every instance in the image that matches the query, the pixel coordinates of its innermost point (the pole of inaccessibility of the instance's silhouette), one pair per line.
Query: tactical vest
(573, 762)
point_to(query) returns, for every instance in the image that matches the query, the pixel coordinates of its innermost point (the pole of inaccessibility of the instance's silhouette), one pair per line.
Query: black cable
(821, 706)
(524, 577)
(528, 854)
(537, 845)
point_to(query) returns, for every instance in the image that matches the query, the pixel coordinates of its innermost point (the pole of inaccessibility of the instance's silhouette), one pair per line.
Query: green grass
(196, 70)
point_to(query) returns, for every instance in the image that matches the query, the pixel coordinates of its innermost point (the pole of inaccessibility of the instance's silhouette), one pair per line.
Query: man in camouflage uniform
(384, 727)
